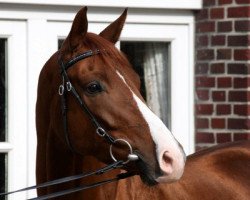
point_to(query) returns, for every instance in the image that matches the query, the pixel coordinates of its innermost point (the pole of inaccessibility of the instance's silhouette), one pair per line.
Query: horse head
(109, 88)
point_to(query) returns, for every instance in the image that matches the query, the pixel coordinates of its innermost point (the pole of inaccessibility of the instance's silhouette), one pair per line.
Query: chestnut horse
(90, 112)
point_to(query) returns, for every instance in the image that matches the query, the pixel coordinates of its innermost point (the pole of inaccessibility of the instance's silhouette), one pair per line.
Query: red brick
(218, 40)
(218, 123)
(238, 40)
(242, 54)
(238, 12)
(221, 2)
(238, 68)
(205, 54)
(205, 138)
(202, 95)
(224, 54)
(201, 68)
(243, 25)
(206, 82)
(223, 137)
(201, 15)
(201, 123)
(224, 82)
(225, 26)
(204, 109)
(243, 1)
(241, 136)
(217, 68)
(204, 27)
(223, 109)
(241, 82)
(218, 96)
(239, 96)
(242, 110)
(238, 123)
(202, 41)
(216, 13)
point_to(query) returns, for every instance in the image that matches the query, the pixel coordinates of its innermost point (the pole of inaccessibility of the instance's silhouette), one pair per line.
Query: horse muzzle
(171, 166)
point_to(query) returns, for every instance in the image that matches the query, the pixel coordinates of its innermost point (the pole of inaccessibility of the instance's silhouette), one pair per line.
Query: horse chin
(146, 173)
(148, 179)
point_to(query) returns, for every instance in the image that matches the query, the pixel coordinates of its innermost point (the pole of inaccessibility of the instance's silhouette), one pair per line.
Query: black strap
(83, 187)
(68, 87)
(80, 57)
(105, 169)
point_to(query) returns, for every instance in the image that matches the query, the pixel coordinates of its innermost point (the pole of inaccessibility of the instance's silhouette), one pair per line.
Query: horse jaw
(170, 155)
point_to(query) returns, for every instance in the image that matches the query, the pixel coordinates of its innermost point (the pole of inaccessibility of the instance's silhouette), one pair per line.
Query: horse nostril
(167, 163)
(166, 157)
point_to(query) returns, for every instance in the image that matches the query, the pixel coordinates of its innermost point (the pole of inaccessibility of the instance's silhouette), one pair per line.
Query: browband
(80, 57)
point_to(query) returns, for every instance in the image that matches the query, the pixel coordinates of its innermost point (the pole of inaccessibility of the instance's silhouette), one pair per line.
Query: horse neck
(61, 163)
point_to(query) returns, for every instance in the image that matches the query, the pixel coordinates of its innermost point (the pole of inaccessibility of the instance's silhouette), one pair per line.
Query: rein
(65, 87)
(103, 170)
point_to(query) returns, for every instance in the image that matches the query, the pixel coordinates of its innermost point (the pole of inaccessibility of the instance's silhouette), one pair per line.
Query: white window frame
(16, 145)
(181, 80)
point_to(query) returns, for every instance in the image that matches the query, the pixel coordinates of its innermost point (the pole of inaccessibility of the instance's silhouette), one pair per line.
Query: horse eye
(94, 87)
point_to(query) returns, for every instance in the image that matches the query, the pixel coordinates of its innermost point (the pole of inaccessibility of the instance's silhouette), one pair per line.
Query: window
(3, 113)
(60, 42)
(3, 173)
(3, 88)
(151, 61)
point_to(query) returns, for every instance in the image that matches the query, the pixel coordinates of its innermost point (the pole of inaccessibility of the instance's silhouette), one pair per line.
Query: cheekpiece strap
(67, 86)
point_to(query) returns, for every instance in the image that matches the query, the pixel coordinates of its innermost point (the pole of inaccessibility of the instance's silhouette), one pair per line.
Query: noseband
(65, 87)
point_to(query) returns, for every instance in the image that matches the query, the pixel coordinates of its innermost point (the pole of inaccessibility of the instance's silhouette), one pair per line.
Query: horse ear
(113, 31)
(79, 28)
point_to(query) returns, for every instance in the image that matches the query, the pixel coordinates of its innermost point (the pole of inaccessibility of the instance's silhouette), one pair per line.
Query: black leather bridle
(65, 87)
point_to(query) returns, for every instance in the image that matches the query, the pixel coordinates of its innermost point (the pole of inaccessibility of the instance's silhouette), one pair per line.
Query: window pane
(151, 61)
(3, 174)
(60, 42)
(3, 90)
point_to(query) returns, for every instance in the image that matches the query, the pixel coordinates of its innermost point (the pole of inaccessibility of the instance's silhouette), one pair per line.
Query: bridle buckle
(101, 132)
(68, 86)
(61, 90)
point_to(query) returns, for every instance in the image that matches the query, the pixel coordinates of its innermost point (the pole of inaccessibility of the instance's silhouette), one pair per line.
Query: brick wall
(222, 72)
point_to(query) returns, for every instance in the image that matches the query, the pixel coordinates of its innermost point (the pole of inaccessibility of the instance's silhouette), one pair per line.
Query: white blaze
(162, 137)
